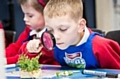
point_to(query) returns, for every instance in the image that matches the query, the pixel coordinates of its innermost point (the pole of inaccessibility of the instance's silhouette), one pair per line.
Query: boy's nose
(57, 36)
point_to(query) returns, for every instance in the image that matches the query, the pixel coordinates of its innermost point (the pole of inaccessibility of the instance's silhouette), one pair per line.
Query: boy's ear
(81, 25)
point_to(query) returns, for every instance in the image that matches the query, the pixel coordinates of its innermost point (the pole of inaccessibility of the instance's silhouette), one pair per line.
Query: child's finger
(33, 45)
(39, 49)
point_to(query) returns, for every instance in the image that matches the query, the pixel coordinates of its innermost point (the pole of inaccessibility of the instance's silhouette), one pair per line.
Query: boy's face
(33, 18)
(65, 29)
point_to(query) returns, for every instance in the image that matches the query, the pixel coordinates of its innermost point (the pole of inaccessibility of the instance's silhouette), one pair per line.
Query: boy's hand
(34, 46)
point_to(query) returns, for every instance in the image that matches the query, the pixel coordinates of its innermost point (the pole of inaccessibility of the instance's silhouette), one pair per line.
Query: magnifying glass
(48, 40)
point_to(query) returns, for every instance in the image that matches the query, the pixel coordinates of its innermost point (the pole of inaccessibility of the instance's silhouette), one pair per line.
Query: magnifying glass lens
(48, 40)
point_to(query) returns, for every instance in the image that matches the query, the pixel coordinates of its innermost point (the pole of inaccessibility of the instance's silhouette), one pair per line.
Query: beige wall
(105, 16)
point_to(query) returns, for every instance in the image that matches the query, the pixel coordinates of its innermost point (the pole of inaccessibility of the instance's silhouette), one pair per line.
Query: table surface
(49, 72)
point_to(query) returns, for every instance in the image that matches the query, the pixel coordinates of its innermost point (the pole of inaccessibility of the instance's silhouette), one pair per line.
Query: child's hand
(34, 46)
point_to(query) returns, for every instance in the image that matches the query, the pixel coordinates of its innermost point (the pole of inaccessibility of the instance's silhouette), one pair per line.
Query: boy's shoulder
(101, 44)
(102, 40)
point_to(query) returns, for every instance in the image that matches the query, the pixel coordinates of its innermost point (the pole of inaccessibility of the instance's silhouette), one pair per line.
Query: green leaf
(27, 64)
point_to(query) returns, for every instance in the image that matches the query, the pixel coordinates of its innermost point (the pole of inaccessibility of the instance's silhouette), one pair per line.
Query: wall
(106, 18)
(19, 23)
(18, 16)
(89, 13)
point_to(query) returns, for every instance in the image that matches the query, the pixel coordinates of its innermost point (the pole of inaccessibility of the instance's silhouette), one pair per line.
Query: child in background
(33, 17)
(76, 45)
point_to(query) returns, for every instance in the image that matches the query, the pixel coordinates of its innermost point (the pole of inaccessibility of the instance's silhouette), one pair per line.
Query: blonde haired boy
(76, 45)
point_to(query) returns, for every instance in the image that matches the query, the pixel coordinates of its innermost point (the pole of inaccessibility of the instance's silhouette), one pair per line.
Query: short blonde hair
(56, 8)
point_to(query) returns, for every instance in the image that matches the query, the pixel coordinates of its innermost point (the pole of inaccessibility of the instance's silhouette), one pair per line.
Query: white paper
(2, 56)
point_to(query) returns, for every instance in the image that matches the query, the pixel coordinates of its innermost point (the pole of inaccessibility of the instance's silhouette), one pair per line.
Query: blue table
(52, 69)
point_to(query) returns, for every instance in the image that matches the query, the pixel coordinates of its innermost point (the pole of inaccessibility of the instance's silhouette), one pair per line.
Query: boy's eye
(63, 29)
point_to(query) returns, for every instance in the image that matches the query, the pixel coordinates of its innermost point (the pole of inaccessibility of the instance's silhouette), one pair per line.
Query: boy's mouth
(59, 43)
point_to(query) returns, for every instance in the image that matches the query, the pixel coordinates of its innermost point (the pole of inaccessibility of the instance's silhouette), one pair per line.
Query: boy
(76, 45)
